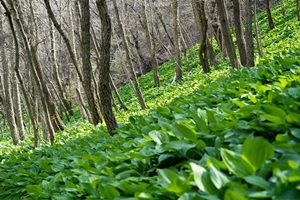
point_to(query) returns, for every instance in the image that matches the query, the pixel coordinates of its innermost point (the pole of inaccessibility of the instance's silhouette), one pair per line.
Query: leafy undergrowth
(227, 135)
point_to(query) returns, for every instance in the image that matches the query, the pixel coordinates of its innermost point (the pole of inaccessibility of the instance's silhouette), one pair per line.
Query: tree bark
(248, 34)
(227, 35)
(257, 32)
(269, 14)
(8, 103)
(104, 88)
(88, 82)
(175, 11)
(203, 54)
(150, 44)
(239, 31)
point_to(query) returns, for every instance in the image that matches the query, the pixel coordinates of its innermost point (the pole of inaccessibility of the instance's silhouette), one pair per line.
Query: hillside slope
(225, 135)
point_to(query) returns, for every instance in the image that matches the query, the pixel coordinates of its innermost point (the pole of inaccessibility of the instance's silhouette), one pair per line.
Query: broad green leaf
(294, 92)
(155, 135)
(230, 194)
(257, 151)
(258, 181)
(239, 103)
(293, 118)
(109, 192)
(273, 110)
(34, 190)
(203, 180)
(295, 132)
(211, 116)
(271, 118)
(201, 125)
(218, 178)
(236, 164)
(182, 130)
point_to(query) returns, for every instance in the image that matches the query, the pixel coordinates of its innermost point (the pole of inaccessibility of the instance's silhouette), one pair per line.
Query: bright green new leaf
(236, 164)
(257, 151)
(293, 118)
(182, 130)
(258, 181)
(211, 116)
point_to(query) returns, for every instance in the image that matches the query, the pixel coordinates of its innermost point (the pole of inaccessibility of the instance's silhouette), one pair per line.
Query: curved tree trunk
(104, 88)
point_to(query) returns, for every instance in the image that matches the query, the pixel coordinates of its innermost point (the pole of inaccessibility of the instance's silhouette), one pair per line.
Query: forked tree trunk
(227, 35)
(136, 84)
(239, 31)
(269, 14)
(203, 54)
(248, 34)
(104, 88)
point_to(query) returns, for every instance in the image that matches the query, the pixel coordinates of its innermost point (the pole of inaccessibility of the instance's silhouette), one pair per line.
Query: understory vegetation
(229, 134)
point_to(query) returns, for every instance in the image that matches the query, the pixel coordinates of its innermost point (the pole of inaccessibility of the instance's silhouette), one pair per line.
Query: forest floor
(229, 134)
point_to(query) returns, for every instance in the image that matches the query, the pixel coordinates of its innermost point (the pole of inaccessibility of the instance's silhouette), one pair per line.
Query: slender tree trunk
(104, 88)
(83, 105)
(257, 32)
(239, 31)
(88, 84)
(227, 35)
(61, 93)
(20, 79)
(18, 108)
(248, 34)
(298, 10)
(8, 105)
(269, 14)
(175, 11)
(150, 44)
(117, 93)
(136, 85)
(282, 7)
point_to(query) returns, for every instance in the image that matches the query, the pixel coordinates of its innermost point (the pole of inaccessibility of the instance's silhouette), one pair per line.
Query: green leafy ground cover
(226, 135)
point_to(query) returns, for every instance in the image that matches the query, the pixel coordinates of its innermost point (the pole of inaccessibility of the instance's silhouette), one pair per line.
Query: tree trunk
(20, 79)
(8, 103)
(88, 84)
(298, 10)
(117, 93)
(248, 34)
(203, 56)
(269, 14)
(257, 32)
(150, 44)
(176, 37)
(104, 88)
(239, 31)
(227, 35)
(56, 77)
(136, 84)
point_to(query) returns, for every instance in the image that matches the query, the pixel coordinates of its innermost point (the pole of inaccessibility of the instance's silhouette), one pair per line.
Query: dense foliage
(226, 135)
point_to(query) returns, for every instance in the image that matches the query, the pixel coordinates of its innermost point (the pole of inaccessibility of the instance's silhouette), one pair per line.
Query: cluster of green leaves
(226, 135)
